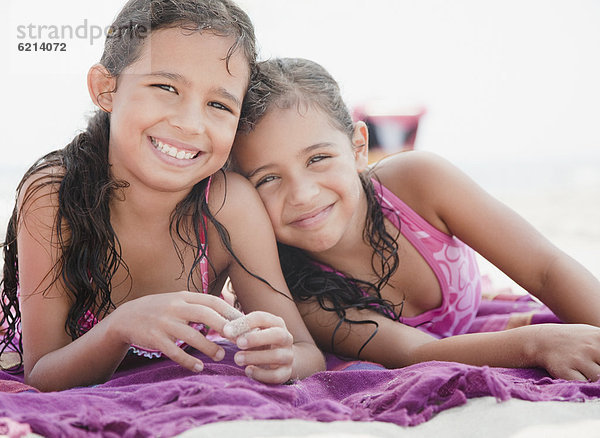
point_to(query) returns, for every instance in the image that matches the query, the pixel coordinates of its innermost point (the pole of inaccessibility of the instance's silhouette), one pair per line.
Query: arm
(238, 207)
(52, 361)
(565, 351)
(453, 203)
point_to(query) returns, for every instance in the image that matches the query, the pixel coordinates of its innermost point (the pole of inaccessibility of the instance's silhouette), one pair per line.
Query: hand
(266, 344)
(157, 322)
(569, 351)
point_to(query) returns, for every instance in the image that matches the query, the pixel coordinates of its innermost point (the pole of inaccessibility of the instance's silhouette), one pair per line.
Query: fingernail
(219, 355)
(240, 359)
(242, 342)
(248, 371)
(198, 368)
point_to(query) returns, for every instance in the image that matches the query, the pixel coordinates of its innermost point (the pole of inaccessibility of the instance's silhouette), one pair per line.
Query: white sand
(481, 417)
(569, 216)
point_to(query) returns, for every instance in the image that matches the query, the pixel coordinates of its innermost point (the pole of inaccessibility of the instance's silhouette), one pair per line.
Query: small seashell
(237, 327)
(232, 313)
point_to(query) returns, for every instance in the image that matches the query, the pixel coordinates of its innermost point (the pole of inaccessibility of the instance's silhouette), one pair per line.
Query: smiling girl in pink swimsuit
(116, 244)
(381, 260)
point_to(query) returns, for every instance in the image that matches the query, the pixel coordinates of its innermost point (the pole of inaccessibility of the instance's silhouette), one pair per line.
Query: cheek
(223, 132)
(358, 190)
(352, 183)
(226, 140)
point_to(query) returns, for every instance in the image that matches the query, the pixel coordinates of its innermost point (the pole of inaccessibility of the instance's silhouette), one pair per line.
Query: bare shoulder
(38, 242)
(413, 169)
(231, 193)
(47, 179)
(235, 204)
(245, 226)
(421, 179)
(38, 195)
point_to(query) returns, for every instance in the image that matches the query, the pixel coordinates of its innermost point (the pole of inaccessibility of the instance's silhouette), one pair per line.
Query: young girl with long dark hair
(121, 242)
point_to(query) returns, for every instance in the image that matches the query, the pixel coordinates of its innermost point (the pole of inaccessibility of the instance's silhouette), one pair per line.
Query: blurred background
(506, 90)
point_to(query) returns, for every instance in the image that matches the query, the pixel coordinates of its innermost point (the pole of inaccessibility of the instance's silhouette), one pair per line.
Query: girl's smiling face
(306, 173)
(174, 111)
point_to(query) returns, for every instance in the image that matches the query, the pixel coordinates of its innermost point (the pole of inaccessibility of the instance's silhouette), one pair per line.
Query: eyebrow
(171, 76)
(176, 77)
(324, 144)
(304, 151)
(227, 95)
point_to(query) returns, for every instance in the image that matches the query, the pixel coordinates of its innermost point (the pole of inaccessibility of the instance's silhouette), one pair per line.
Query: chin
(316, 247)
(311, 243)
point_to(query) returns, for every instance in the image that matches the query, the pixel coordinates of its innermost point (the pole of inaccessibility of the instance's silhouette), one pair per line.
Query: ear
(101, 85)
(360, 144)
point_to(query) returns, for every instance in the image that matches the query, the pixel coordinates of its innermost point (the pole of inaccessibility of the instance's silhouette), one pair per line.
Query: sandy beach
(564, 205)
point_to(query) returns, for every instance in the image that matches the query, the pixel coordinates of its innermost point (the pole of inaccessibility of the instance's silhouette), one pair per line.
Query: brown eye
(220, 106)
(166, 87)
(265, 180)
(317, 158)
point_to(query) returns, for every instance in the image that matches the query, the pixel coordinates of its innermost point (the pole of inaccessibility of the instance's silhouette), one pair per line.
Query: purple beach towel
(160, 398)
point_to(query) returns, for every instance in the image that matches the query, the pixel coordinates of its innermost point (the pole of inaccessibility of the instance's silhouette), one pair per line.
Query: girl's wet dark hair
(285, 83)
(139, 18)
(79, 175)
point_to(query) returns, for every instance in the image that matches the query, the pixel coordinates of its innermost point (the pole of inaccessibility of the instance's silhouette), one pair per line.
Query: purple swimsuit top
(453, 263)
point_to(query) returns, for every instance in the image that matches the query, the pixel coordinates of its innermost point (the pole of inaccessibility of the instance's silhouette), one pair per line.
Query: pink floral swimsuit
(453, 263)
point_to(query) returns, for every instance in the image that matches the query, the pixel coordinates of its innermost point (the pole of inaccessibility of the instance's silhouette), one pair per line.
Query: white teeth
(171, 150)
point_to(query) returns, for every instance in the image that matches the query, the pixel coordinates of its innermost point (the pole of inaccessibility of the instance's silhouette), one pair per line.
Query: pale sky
(512, 78)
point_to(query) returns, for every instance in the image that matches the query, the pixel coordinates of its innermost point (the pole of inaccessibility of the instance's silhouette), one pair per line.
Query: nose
(189, 117)
(301, 191)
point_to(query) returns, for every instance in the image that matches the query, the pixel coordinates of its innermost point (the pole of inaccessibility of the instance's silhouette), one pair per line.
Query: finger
(277, 336)
(275, 376)
(197, 340)
(591, 371)
(216, 303)
(179, 356)
(200, 313)
(265, 358)
(568, 374)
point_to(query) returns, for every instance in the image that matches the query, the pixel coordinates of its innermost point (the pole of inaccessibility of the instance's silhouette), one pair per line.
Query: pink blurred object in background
(392, 128)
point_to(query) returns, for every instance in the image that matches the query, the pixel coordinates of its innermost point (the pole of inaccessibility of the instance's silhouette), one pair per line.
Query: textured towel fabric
(159, 398)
